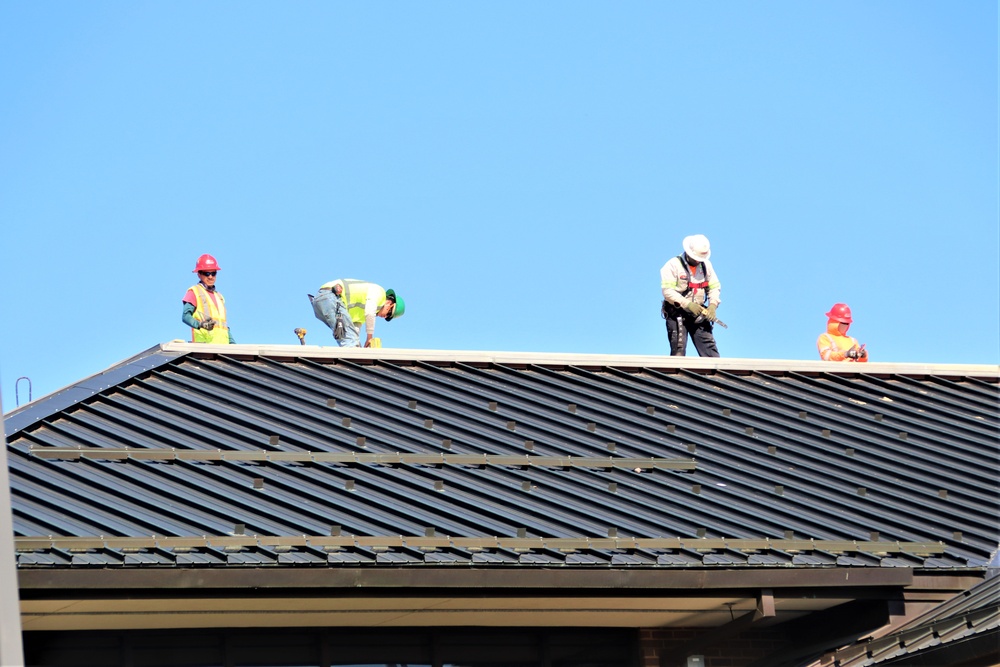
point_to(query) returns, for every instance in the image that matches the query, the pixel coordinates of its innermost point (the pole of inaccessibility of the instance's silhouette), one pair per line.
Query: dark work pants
(701, 334)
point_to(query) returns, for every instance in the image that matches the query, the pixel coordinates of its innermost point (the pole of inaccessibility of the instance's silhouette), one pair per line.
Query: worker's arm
(371, 309)
(828, 350)
(668, 283)
(714, 285)
(187, 317)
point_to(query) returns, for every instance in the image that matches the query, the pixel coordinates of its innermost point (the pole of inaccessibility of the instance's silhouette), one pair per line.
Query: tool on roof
(301, 333)
(716, 320)
(857, 352)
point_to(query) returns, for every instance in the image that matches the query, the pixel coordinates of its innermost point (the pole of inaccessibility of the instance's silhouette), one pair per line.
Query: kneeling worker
(345, 304)
(835, 344)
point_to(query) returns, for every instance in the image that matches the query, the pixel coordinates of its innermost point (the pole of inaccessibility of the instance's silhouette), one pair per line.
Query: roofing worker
(345, 304)
(691, 294)
(835, 344)
(204, 307)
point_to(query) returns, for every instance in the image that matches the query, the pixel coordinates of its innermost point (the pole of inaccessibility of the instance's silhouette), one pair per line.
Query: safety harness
(694, 286)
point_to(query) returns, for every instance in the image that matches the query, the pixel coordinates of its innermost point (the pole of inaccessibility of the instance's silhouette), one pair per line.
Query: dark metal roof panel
(823, 455)
(971, 613)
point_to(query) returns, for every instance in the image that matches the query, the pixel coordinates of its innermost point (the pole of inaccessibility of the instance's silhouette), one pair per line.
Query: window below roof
(341, 647)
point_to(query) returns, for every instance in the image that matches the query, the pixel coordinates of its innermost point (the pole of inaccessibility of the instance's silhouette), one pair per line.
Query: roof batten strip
(110, 453)
(522, 541)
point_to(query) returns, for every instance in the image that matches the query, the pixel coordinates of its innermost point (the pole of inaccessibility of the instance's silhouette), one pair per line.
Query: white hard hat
(697, 247)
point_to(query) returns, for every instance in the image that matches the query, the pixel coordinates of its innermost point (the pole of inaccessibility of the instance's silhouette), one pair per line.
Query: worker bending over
(345, 304)
(204, 308)
(835, 344)
(691, 294)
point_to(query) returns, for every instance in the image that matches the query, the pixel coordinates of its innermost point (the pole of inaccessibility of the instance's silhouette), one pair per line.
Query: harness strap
(692, 285)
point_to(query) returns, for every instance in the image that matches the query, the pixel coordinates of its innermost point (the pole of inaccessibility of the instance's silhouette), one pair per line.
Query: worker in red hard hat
(835, 344)
(205, 308)
(691, 293)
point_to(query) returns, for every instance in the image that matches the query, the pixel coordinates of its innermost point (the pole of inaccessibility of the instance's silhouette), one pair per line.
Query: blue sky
(517, 171)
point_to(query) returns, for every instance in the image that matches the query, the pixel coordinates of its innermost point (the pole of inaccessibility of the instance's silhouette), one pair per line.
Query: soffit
(354, 611)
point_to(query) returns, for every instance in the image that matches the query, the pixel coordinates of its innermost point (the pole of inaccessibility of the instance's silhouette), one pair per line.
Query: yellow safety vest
(355, 295)
(205, 308)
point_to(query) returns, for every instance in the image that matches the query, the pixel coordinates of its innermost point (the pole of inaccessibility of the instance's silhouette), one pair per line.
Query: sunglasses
(207, 273)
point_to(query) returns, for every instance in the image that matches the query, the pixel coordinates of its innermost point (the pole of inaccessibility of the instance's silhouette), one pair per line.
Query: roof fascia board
(450, 578)
(735, 365)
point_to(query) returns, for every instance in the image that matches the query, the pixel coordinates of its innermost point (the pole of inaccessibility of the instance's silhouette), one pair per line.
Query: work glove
(208, 324)
(853, 353)
(694, 308)
(710, 312)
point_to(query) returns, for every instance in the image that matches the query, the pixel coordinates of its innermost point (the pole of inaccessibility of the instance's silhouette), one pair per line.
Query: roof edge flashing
(512, 358)
(163, 353)
(60, 399)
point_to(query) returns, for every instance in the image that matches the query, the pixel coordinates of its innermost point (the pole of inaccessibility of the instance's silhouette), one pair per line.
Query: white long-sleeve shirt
(675, 278)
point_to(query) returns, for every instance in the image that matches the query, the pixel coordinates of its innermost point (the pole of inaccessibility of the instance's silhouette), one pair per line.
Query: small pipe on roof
(17, 389)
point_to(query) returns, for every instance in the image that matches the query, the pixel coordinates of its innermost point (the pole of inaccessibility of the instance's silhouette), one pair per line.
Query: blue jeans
(328, 309)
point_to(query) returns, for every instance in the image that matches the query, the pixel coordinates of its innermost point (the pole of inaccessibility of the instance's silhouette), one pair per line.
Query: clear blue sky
(517, 171)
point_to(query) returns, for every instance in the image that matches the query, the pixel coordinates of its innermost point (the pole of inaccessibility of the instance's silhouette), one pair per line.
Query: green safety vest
(206, 308)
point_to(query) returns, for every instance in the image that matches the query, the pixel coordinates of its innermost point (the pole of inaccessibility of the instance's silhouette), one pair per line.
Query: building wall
(671, 647)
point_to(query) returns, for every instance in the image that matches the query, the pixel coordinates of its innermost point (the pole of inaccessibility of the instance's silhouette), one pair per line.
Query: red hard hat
(840, 312)
(206, 263)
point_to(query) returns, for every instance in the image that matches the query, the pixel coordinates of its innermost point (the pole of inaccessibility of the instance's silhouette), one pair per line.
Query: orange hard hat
(840, 312)
(206, 263)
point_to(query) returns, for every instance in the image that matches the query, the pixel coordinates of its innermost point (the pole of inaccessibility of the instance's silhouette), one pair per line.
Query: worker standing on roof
(691, 295)
(345, 304)
(835, 344)
(204, 308)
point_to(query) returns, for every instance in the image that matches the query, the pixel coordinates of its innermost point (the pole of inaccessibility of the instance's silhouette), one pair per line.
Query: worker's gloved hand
(710, 312)
(852, 353)
(208, 324)
(694, 308)
(862, 353)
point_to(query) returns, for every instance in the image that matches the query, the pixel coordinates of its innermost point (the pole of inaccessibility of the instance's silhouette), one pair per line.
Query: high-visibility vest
(205, 308)
(834, 345)
(355, 295)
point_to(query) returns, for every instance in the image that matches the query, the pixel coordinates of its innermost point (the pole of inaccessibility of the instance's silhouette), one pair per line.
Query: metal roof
(973, 615)
(301, 455)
